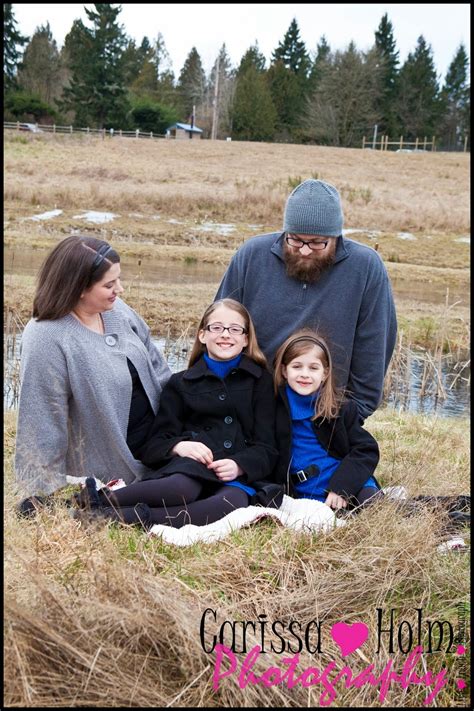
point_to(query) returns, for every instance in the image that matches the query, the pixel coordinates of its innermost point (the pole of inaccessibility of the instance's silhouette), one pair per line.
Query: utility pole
(192, 122)
(374, 140)
(215, 112)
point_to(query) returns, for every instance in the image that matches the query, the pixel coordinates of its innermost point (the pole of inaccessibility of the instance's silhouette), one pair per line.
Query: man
(310, 275)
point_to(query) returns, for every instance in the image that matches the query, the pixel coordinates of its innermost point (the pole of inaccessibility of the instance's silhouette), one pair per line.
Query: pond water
(445, 393)
(146, 271)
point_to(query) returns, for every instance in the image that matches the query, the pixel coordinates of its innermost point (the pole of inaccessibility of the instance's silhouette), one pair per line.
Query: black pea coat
(233, 416)
(342, 437)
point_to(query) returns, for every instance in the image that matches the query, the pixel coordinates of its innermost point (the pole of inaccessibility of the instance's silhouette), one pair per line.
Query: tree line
(102, 78)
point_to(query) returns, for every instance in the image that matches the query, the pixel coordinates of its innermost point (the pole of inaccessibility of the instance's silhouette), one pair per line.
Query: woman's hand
(335, 501)
(194, 450)
(225, 469)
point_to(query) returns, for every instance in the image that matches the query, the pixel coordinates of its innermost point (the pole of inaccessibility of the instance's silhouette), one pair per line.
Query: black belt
(304, 474)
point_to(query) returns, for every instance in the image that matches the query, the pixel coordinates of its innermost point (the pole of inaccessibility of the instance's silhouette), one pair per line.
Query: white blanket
(299, 514)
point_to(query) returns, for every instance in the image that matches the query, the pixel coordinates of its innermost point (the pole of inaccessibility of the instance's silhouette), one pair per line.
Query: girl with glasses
(212, 443)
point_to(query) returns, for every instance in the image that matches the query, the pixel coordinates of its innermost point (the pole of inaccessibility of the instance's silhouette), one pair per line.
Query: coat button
(228, 420)
(110, 340)
(222, 396)
(227, 444)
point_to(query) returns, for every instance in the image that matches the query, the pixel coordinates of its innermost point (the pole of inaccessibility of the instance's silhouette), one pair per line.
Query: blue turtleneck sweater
(306, 448)
(222, 368)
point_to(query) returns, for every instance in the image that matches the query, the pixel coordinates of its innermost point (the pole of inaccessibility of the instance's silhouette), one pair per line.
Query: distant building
(184, 130)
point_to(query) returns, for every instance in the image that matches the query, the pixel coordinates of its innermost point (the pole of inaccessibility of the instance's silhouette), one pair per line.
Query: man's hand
(225, 469)
(335, 501)
(194, 450)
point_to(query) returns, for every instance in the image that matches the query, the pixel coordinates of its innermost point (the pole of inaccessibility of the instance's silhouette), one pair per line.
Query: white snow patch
(465, 240)
(406, 235)
(221, 229)
(371, 233)
(45, 215)
(97, 217)
(176, 222)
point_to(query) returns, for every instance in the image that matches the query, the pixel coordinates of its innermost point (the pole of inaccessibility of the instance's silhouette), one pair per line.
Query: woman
(90, 375)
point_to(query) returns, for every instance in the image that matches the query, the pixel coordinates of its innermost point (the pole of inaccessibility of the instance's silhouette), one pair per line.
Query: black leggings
(174, 500)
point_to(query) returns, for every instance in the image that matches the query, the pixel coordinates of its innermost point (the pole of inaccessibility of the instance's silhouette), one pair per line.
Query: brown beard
(308, 270)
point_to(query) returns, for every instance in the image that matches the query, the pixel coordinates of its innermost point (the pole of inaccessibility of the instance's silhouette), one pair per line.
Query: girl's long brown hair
(330, 398)
(252, 349)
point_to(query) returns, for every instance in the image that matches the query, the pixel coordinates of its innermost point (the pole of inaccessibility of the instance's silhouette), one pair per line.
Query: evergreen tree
(386, 48)
(253, 114)
(97, 90)
(288, 80)
(292, 52)
(133, 59)
(455, 97)
(40, 70)
(321, 63)
(191, 83)
(12, 39)
(343, 106)
(287, 99)
(418, 99)
(166, 91)
(252, 58)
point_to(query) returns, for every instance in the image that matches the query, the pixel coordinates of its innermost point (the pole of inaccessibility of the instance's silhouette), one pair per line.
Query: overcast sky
(207, 27)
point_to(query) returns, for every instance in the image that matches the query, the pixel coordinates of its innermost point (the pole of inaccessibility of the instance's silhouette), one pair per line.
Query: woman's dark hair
(75, 264)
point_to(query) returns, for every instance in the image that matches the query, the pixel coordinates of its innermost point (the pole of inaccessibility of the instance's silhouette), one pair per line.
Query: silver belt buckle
(301, 476)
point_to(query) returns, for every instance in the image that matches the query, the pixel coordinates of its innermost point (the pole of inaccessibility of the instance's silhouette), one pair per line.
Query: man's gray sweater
(351, 304)
(75, 399)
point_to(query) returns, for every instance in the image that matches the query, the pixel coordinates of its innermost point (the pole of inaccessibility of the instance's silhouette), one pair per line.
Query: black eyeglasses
(100, 256)
(219, 328)
(312, 244)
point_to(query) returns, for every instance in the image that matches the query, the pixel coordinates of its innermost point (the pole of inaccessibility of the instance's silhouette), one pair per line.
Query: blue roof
(186, 127)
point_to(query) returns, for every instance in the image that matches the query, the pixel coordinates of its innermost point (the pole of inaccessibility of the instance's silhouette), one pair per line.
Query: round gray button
(222, 396)
(227, 444)
(110, 340)
(228, 420)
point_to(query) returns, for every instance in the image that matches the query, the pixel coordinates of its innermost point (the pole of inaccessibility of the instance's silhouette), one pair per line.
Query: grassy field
(109, 617)
(171, 199)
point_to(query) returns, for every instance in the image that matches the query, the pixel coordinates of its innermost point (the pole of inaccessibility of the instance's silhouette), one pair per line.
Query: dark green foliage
(252, 58)
(321, 62)
(12, 39)
(456, 105)
(419, 106)
(192, 82)
(40, 72)
(386, 49)
(148, 115)
(97, 90)
(253, 115)
(288, 82)
(292, 52)
(22, 106)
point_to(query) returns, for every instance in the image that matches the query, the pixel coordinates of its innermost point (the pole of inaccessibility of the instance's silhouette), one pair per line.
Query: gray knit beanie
(314, 208)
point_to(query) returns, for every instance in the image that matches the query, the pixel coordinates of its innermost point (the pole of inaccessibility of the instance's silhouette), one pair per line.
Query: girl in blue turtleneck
(212, 443)
(325, 453)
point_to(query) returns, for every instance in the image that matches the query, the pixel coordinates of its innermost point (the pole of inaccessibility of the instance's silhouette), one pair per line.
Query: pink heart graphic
(461, 684)
(349, 637)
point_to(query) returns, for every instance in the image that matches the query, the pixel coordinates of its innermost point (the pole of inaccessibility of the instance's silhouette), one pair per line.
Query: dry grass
(110, 618)
(223, 181)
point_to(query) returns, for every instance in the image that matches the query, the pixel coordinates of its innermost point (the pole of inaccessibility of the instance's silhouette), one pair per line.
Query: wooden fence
(45, 128)
(418, 145)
